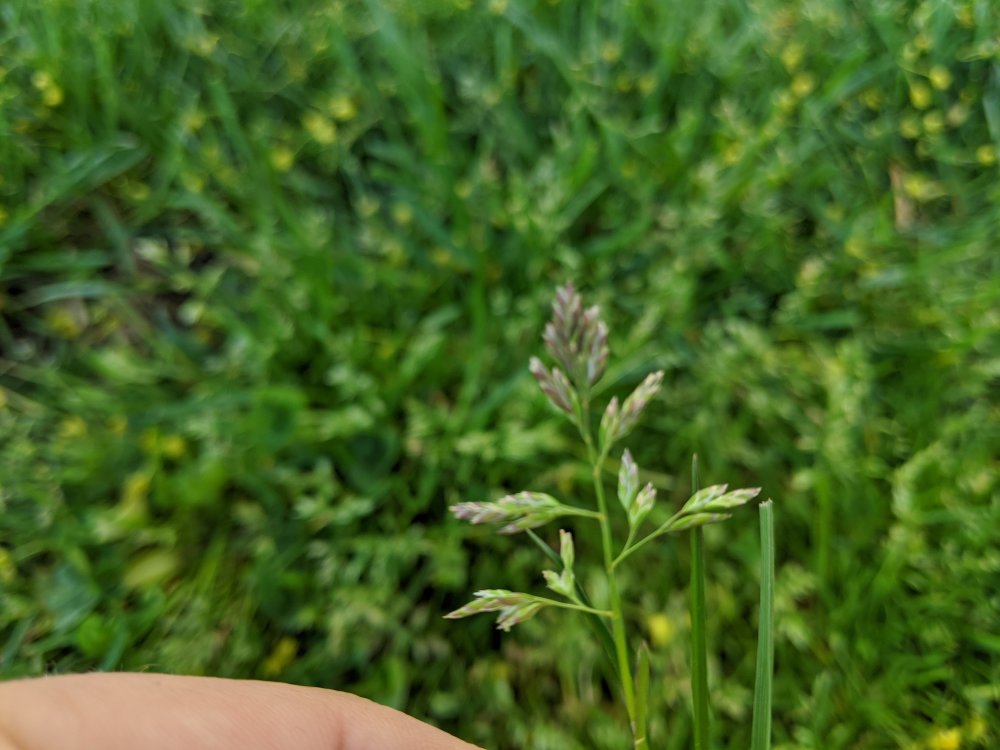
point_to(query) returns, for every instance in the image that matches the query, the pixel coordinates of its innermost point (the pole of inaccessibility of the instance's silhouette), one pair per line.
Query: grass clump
(269, 273)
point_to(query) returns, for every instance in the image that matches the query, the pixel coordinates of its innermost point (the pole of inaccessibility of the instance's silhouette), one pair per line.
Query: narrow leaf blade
(763, 690)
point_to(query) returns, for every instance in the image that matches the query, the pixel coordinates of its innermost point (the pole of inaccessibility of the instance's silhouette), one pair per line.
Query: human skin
(119, 711)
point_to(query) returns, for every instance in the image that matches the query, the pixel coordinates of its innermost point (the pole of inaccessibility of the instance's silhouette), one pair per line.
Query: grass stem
(761, 731)
(618, 618)
(699, 642)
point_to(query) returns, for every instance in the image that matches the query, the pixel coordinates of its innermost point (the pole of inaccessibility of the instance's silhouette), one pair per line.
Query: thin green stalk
(570, 605)
(629, 547)
(618, 617)
(761, 732)
(699, 642)
(640, 726)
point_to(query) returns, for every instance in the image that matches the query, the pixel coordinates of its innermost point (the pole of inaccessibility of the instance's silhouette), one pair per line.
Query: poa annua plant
(577, 339)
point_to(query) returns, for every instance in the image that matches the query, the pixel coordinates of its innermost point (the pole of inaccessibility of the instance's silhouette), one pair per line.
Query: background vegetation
(270, 273)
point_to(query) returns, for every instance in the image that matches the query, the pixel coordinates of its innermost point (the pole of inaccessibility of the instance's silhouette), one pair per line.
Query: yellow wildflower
(661, 629)
(72, 427)
(872, 98)
(945, 739)
(958, 113)
(173, 446)
(940, 77)
(986, 155)
(321, 128)
(933, 122)
(402, 213)
(803, 84)
(921, 96)
(282, 158)
(283, 654)
(611, 52)
(342, 108)
(791, 56)
(909, 127)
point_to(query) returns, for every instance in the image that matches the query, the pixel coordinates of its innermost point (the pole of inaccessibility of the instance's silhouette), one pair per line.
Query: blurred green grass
(270, 274)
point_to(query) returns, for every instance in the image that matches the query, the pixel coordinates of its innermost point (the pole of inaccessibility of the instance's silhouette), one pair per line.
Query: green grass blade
(699, 641)
(641, 728)
(761, 732)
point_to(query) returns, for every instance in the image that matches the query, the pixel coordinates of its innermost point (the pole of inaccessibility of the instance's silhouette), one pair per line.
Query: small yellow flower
(921, 96)
(322, 129)
(872, 98)
(611, 52)
(193, 121)
(792, 55)
(441, 257)
(945, 739)
(965, 17)
(283, 654)
(940, 77)
(205, 45)
(135, 489)
(72, 427)
(803, 85)
(282, 158)
(41, 79)
(173, 446)
(136, 190)
(732, 153)
(785, 101)
(624, 82)
(193, 182)
(498, 7)
(922, 42)
(976, 728)
(402, 214)
(342, 107)
(933, 122)
(647, 82)
(986, 155)
(921, 188)
(52, 96)
(7, 570)
(64, 323)
(958, 113)
(661, 629)
(909, 127)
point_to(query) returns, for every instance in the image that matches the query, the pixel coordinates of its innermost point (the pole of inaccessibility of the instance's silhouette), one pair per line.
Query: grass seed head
(577, 338)
(637, 401)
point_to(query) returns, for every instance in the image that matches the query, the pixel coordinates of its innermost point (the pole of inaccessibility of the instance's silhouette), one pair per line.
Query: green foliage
(269, 273)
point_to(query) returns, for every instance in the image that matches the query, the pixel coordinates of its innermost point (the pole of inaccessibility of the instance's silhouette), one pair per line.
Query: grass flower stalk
(761, 728)
(699, 637)
(577, 339)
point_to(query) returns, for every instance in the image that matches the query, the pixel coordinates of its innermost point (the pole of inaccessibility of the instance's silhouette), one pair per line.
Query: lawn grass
(270, 274)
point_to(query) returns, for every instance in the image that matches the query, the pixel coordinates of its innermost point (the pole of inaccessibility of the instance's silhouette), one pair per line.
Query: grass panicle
(577, 338)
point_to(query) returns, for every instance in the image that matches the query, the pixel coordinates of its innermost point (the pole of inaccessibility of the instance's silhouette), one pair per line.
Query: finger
(168, 712)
